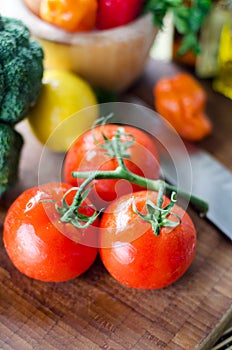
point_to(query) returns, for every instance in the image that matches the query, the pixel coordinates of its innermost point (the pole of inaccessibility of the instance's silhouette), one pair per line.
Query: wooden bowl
(109, 59)
(33, 5)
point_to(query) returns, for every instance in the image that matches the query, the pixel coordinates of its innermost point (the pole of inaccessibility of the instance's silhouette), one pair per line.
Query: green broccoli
(11, 143)
(21, 70)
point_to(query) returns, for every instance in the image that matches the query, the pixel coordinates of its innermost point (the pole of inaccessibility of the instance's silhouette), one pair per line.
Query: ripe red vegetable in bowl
(115, 13)
(75, 15)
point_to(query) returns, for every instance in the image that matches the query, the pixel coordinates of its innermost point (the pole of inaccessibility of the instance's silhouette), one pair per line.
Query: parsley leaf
(188, 18)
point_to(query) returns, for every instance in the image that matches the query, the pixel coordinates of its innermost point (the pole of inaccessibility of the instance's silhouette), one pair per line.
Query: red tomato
(39, 244)
(85, 155)
(134, 255)
(114, 13)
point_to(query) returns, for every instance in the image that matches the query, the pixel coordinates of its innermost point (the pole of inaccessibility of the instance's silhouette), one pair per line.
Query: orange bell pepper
(181, 101)
(70, 15)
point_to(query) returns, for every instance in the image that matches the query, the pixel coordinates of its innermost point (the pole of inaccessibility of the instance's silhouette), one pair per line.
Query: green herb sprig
(188, 17)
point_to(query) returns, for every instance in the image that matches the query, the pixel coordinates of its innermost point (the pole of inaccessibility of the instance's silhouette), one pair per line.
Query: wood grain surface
(96, 312)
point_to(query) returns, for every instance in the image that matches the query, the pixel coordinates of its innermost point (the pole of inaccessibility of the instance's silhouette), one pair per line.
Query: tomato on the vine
(87, 153)
(134, 255)
(39, 244)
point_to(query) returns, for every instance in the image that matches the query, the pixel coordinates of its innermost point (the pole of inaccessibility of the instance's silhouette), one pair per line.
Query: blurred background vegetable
(207, 63)
(75, 15)
(67, 106)
(188, 18)
(223, 80)
(71, 15)
(115, 13)
(11, 143)
(21, 71)
(181, 101)
(96, 55)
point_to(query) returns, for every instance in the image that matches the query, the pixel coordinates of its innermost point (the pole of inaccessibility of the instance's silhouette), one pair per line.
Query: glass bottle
(223, 82)
(207, 64)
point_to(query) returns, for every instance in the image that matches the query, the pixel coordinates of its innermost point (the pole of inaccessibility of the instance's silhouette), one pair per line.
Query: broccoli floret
(21, 70)
(11, 143)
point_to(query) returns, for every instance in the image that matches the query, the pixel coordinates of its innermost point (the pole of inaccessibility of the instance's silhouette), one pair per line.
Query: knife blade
(211, 181)
(193, 169)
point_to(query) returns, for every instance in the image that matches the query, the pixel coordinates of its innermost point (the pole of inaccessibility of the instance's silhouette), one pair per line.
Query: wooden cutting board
(96, 312)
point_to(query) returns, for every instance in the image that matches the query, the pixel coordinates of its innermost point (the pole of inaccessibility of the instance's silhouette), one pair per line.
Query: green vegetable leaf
(188, 18)
(160, 8)
(189, 43)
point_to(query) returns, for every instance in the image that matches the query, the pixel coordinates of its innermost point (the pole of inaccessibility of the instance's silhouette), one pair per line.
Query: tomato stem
(121, 172)
(118, 145)
(70, 213)
(156, 214)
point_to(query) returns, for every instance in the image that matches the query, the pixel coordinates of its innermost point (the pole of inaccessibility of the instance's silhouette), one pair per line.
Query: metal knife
(208, 178)
(211, 181)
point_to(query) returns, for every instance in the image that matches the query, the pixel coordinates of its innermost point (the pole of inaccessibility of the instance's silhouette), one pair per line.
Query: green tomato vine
(156, 214)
